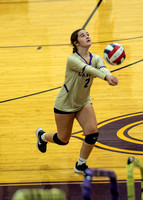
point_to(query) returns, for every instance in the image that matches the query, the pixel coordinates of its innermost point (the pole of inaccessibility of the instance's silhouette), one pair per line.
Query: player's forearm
(95, 72)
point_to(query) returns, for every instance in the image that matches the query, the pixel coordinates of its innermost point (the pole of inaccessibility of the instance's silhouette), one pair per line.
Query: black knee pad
(92, 138)
(58, 141)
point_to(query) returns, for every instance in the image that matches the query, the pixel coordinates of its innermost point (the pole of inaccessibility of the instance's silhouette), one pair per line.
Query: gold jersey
(75, 92)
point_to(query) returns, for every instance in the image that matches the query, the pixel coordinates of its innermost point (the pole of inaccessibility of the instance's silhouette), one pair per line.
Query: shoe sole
(79, 172)
(37, 131)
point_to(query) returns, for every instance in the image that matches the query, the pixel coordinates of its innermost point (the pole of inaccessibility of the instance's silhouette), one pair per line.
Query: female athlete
(73, 100)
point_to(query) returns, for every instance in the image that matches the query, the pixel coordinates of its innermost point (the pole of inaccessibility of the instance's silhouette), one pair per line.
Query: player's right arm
(112, 80)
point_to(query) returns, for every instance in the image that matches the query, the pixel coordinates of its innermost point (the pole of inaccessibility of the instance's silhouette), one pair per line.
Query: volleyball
(114, 54)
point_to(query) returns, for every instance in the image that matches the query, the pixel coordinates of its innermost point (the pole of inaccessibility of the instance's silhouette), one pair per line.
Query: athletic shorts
(61, 112)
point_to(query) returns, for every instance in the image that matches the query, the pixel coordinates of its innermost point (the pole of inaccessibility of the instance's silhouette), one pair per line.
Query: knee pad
(58, 141)
(92, 138)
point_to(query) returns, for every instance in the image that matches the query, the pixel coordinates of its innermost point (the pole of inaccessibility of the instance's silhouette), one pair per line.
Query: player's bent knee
(91, 138)
(58, 141)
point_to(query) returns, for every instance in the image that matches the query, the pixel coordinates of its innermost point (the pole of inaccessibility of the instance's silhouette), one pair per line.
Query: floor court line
(29, 95)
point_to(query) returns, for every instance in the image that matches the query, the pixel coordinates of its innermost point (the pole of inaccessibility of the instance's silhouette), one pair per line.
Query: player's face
(84, 39)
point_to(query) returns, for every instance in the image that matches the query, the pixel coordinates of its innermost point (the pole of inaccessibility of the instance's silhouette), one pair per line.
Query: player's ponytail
(74, 38)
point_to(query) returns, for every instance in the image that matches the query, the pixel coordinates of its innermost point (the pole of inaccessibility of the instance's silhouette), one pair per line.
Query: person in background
(39, 194)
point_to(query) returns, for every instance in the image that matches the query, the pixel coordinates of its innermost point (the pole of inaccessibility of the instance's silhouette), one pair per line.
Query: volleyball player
(73, 100)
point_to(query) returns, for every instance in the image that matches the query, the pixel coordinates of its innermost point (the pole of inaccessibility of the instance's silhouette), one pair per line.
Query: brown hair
(74, 38)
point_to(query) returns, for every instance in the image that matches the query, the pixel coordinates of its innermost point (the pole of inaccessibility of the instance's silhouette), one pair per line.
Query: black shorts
(61, 112)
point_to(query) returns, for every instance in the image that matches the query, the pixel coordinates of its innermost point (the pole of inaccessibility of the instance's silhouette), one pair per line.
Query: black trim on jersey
(66, 88)
(83, 69)
(90, 58)
(102, 67)
(84, 59)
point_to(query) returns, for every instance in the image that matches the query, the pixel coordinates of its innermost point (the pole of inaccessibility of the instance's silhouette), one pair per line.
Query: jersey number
(87, 81)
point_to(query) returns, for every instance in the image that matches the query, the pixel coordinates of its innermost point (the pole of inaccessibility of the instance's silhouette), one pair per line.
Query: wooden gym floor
(34, 47)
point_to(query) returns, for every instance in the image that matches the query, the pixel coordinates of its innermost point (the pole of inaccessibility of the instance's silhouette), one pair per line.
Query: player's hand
(112, 80)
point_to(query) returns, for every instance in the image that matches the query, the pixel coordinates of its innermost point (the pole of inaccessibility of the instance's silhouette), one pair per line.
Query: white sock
(81, 161)
(43, 137)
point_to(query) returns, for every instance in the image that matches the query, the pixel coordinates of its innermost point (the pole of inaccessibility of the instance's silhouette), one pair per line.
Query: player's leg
(87, 119)
(64, 124)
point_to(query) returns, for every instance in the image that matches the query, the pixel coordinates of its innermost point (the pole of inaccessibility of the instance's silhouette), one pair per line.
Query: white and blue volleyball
(114, 54)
